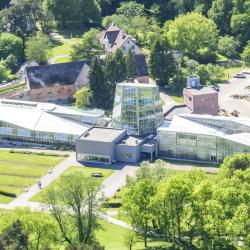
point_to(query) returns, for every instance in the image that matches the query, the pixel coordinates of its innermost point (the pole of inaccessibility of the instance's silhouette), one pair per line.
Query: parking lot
(233, 87)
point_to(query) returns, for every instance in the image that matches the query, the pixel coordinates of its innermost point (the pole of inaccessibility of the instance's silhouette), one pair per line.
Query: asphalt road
(227, 102)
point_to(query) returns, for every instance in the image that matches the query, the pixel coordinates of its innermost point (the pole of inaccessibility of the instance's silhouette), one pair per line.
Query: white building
(114, 38)
(203, 138)
(44, 123)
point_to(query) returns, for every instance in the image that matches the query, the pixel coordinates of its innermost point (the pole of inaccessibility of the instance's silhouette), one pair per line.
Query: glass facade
(40, 137)
(203, 147)
(137, 108)
(92, 158)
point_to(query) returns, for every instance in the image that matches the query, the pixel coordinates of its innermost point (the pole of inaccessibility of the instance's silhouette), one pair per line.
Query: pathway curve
(53, 59)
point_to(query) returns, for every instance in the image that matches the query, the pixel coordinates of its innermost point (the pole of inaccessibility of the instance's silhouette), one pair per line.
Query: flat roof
(102, 134)
(202, 91)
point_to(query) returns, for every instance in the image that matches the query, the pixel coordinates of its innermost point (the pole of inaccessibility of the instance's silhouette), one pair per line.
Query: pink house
(201, 100)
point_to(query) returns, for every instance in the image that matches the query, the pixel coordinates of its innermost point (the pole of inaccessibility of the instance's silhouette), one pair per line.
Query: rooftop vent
(19, 104)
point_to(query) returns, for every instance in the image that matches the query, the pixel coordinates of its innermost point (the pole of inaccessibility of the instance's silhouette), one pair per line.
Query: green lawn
(63, 59)
(18, 171)
(175, 95)
(109, 235)
(85, 170)
(112, 237)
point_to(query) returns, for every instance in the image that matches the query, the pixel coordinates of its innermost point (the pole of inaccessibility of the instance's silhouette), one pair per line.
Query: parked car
(239, 75)
(97, 175)
(245, 72)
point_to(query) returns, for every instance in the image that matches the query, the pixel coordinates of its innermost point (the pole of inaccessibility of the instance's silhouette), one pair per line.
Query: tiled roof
(67, 73)
(54, 74)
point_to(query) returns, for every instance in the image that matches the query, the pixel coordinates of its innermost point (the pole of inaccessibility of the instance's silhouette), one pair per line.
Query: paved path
(168, 102)
(21, 200)
(117, 180)
(54, 58)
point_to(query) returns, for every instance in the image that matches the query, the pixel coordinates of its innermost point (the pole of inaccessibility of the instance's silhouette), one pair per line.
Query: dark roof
(141, 65)
(53, 74)
(111, 36)
(67, 73)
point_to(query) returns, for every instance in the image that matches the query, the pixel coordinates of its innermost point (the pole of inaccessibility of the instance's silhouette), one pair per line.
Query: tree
(192, 33)
(23, 18)
(43, 230)
(170, 202)
(74, 13)
(137, 206)
(83, 97)
(115, 72)
(37, 48)
(130, 66)
(246, 54)
(162, 64)
(75, 206)
(132, 19)
(89, 46)
(129, 239)
(14, 237)
(220, 13)
(4, 73)
(210, 74)
(236, 162)
(11, 63)
(228, 46)
(97, 85)
(11, 44)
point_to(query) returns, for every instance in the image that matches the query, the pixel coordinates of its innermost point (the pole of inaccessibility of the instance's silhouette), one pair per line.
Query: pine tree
(130, 66)
(115, 72)
(97, 85)
(162, 63)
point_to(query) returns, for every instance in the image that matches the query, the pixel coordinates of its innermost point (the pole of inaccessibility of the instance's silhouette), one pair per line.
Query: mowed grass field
(87, 171)
(18, 171)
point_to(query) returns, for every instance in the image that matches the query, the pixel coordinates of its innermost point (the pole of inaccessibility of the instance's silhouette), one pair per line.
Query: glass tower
(137, 108)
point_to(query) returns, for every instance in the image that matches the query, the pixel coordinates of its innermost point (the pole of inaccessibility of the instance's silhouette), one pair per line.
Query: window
(190, 99)
(49, 92)
(127, 155)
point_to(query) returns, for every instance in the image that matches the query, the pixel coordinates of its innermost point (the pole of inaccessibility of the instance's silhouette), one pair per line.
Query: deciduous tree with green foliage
(138, 206)
(74, 13)
(4, 73)
(210, 74)
(37, 48)
(14, 237)
(162, 64)
(192, 33)
(228, 46)
(75, 206)
(88, 48)
(246, 54)
(83, 98)
(10, 45)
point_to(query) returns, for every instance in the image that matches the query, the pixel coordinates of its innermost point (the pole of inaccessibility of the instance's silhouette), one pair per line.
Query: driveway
(227, 102)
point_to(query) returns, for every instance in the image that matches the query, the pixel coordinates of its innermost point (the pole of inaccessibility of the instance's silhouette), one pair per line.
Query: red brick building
(201, 100)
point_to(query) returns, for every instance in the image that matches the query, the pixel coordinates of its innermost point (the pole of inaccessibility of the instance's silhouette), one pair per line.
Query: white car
(239, 75)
